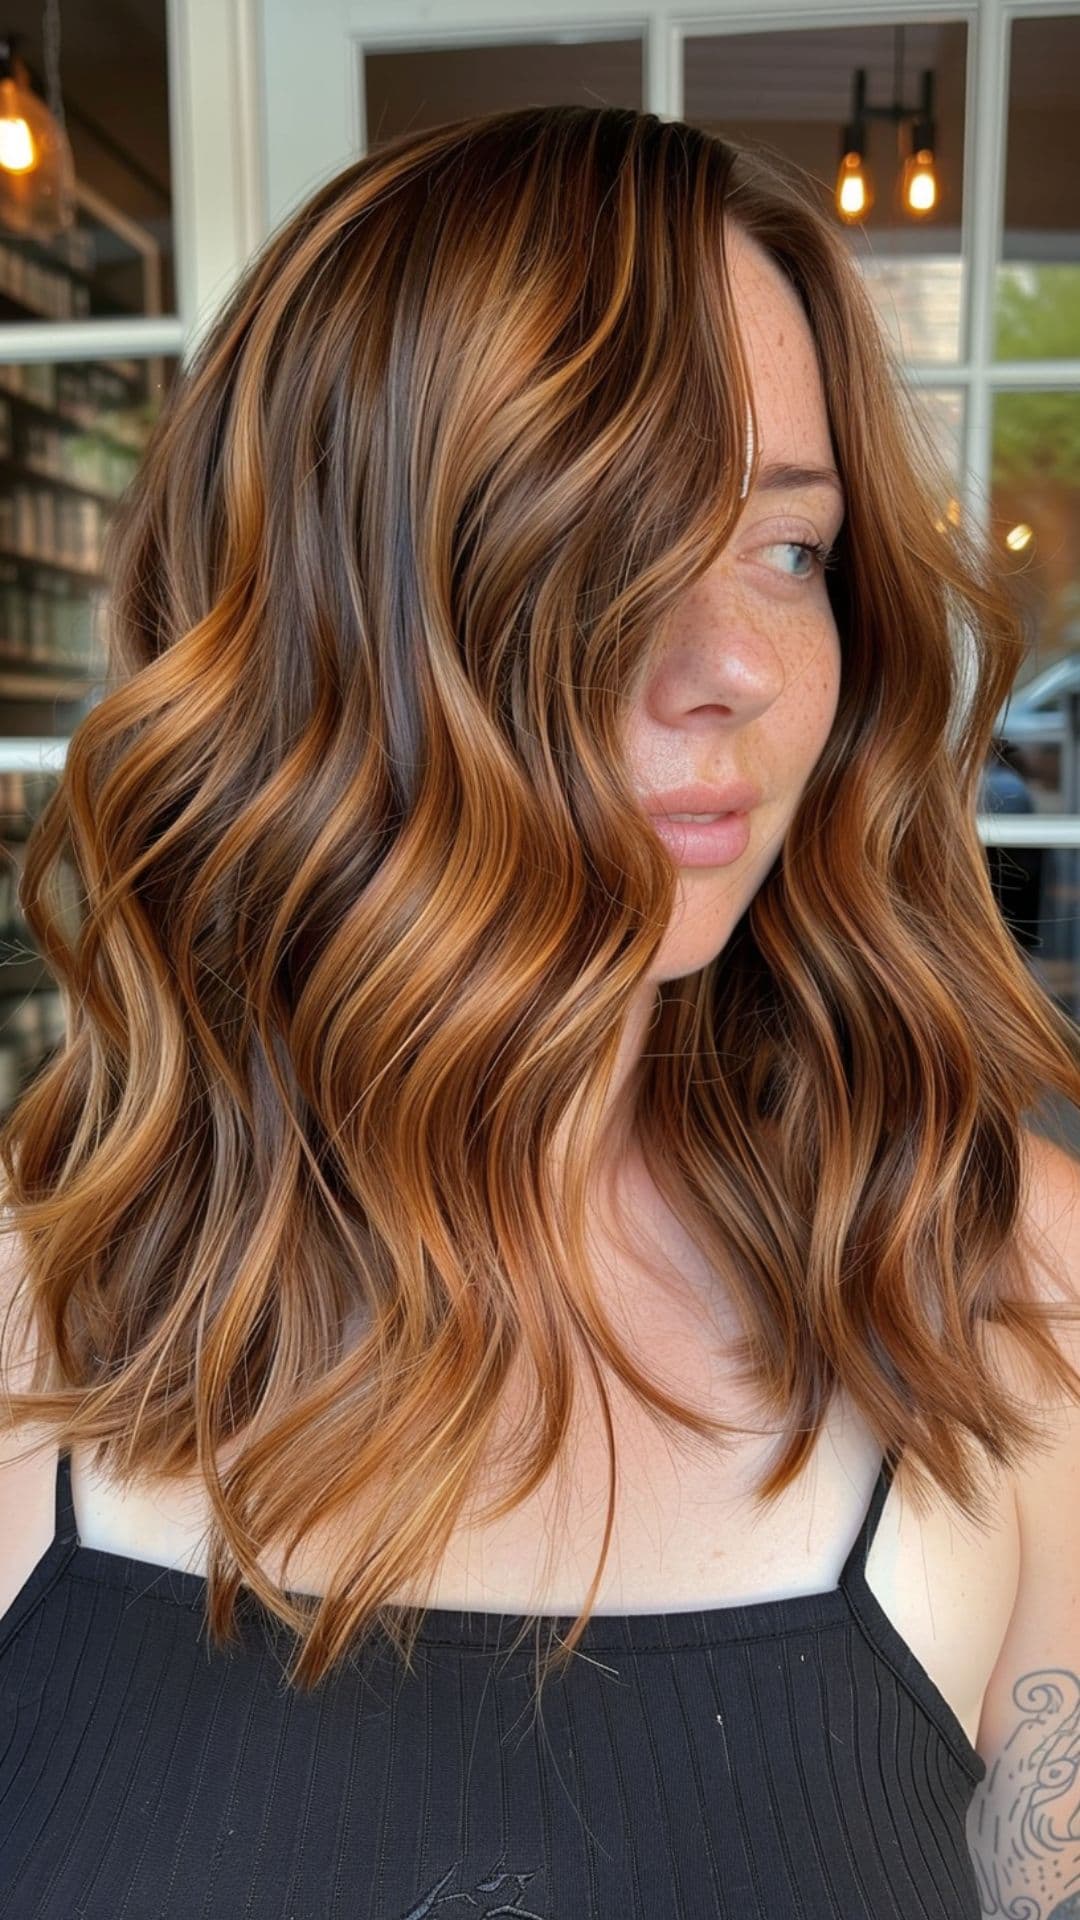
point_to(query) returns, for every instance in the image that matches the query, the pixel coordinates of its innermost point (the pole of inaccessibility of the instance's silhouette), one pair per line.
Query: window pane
(421, 86)
(117, 258)
(1035, 483)
(1037, 888)
(31, 1016)
(942, 413)
(1038, 283)
(791, 92)
(71, 434)
(1034, 500)
(70, 438)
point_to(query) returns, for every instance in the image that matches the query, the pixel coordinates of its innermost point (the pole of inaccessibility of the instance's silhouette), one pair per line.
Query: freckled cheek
(826, 674)
(812, 690)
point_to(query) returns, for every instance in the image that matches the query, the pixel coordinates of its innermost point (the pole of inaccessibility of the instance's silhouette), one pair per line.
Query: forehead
(781, 355)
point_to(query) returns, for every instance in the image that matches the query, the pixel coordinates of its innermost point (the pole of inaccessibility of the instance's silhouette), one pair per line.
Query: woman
(444, 1117)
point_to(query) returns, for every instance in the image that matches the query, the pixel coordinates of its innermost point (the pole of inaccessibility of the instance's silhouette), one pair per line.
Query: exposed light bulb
(854, 193)
(918, 185)
(18, 152)
(37, 173)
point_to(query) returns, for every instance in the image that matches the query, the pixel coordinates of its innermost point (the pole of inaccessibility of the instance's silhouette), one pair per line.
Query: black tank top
(786, 1759)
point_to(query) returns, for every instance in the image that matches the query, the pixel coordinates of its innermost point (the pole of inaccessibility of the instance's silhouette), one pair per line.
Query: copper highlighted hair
(364, 891)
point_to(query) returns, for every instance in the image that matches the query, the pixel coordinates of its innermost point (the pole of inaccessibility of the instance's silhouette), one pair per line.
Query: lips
(712, 843)
(729, 796)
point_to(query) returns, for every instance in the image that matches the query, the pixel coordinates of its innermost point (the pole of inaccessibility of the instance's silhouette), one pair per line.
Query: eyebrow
(781, 475)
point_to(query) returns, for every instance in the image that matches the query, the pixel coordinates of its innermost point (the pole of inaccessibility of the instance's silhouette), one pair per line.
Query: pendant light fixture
(918, 180)
(854, 182)
(917, 191)
(37, 173)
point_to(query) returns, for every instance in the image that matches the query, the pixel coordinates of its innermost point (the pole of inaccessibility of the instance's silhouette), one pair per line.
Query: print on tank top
(496, 1886)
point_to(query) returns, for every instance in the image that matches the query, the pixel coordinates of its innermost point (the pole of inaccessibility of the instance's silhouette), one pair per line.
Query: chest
(688, 1530)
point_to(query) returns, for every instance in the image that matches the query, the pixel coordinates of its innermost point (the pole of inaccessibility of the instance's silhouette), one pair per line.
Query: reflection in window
(31, 1011)
(1037, 888)
(118, 257)
(1035, 490)
(1038, 285)
(940, 413)
(1035, 494)
(1033, 886)
(1017, 874)
(71, 435)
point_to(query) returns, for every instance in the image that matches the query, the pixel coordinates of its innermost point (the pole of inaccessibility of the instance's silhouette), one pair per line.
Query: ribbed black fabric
(785, 1760)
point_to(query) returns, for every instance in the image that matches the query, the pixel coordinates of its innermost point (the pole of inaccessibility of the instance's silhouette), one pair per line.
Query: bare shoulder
(1051, 1195)
(1050, 1227)
(1024, 1820)
(27, 1452)
(18, 1343)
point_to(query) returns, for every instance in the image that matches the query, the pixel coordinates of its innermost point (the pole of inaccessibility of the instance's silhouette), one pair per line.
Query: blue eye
(820, 555)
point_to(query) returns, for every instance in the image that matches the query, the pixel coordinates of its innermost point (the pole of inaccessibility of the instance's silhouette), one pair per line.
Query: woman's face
(747, 682)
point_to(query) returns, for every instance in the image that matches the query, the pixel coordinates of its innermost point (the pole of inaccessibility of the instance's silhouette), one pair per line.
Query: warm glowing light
(1019, 537)
(17, 150)
(37, 171)
(918, 187)
(854, 194)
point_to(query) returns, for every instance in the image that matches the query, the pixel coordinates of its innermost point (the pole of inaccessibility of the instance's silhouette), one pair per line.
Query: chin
(708, 908)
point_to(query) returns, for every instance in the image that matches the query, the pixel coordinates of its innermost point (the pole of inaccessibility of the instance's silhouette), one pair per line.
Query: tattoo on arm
(1024, 1821)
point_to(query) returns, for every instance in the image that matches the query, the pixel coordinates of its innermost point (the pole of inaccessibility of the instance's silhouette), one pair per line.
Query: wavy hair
(347, 890)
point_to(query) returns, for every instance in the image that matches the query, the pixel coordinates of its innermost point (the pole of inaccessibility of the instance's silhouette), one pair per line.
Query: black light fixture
(37, 173)
(918, 179)
(918, 184)
(854, 182)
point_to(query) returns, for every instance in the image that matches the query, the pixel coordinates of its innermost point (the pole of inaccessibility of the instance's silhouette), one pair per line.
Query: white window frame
(265, 103)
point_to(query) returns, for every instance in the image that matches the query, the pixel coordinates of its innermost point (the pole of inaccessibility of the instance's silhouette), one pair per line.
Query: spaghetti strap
(864, 1539)
(65, 1527)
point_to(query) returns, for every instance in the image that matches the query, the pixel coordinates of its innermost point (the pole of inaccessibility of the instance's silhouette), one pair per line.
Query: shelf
(46, 254)
(44, 686)
(58, 480)
(53, 414)
(12, 308)
(70, 567)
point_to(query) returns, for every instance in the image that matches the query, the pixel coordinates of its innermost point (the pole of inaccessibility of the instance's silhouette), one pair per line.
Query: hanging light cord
(50, 37)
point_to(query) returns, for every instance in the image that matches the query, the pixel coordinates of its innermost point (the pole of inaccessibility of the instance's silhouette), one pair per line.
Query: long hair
(347, 889)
